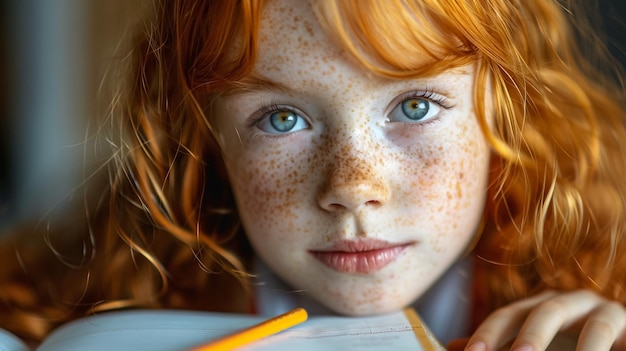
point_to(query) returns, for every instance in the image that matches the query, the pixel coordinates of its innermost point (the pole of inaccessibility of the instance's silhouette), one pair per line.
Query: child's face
(359, 190)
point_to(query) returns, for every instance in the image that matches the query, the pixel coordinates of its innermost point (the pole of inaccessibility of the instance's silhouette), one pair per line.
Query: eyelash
(426, 94)
(267, 109)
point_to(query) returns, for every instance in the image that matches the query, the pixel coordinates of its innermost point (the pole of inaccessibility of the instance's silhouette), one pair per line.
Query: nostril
(335, 207)
(372, 203)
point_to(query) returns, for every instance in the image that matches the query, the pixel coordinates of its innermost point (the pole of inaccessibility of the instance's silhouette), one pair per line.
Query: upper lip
(361, 245)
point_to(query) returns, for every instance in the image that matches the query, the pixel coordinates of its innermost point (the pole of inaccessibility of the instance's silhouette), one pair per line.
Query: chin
(354, 308)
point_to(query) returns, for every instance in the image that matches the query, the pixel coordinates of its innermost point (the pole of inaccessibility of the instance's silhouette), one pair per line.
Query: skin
(580, 320)
(353, 169)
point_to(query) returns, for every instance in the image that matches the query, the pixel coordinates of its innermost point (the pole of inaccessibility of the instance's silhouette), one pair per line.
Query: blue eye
(415, 110)
(282, 122)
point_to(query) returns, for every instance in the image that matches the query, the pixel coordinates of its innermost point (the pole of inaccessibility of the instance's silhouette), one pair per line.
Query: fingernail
(477, 346)
(523, 348)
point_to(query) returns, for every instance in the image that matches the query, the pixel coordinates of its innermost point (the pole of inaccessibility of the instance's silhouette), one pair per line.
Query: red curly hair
(161, 230)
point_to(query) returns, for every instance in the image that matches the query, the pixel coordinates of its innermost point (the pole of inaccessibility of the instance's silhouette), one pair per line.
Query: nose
(354, 182)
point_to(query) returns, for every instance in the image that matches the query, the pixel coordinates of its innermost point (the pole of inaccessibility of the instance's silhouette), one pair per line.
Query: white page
(10, 342)
(180, 330)
(387, 332)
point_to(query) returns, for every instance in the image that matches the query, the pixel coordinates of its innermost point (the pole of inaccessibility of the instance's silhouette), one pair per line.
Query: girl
(361, 150)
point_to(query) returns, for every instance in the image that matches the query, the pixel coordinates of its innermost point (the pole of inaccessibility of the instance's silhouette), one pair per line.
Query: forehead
(292, 40)
(290, 35)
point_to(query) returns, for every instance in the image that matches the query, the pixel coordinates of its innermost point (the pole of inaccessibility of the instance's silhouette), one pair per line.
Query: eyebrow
(255, 82)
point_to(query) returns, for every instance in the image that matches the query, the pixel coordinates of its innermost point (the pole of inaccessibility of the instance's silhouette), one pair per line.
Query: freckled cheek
(445, 184)
(271, 190)
(465, 195)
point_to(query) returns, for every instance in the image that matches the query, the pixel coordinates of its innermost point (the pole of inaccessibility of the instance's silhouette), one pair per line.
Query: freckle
(309, 28)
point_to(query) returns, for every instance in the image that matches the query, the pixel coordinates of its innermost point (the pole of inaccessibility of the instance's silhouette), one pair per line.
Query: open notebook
(168, 330)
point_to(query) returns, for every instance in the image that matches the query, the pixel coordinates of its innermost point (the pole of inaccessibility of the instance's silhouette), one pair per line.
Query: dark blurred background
(53, 54)
(613, 17)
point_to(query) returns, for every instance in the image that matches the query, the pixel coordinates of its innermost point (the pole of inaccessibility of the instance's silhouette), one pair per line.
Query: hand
(532, 324)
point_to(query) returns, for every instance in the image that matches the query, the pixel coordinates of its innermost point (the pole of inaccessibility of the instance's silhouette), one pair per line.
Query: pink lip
(362, 256)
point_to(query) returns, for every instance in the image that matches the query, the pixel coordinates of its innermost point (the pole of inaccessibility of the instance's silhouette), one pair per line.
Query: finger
(553, 315)
(502, 325)
(603, 328)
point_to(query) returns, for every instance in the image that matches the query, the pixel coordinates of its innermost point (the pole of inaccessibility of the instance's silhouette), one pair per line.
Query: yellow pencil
(255, 332)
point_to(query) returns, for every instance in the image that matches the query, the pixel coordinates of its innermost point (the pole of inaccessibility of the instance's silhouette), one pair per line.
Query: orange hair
(165, 234)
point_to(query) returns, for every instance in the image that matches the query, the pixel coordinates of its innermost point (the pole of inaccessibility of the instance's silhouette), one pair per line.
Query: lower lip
(363, 262)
